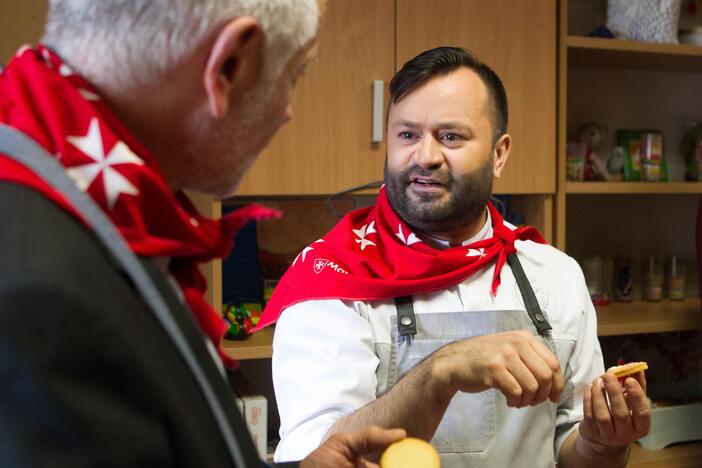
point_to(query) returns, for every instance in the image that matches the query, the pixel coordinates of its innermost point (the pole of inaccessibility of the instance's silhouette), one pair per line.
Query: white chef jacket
(328, 354)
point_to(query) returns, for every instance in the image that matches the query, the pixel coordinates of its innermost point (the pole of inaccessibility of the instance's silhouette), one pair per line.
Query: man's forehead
(460, 83)
(457, 92)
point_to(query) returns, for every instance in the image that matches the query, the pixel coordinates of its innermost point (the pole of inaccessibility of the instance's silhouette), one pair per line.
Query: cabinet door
(517, 39)
(327, 145)
(20, 23)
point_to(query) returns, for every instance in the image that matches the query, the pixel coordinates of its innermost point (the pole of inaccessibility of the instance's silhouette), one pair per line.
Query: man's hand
(516, 363)
(626, 418)
(604, 434)
(349, 449)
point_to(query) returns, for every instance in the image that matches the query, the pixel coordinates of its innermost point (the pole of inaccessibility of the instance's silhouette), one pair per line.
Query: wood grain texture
(327, 146)
(686, 455)
(257, 346)
(20, 23)
(643, 188)
(212, 269)
(648, 317)
(518, 40)
(536, 211)
(613, 53)
(562, 137)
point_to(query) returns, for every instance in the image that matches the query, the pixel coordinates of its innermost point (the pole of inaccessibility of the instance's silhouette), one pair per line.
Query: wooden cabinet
(518, 40)
(327, 146)
(20, 24)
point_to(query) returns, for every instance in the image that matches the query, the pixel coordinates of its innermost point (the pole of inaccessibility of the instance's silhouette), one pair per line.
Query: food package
(643, 155)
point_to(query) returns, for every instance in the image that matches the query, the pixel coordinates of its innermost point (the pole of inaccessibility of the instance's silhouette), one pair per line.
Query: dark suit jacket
(87, 375)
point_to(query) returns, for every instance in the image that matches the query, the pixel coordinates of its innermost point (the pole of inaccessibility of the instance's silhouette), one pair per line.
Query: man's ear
(501, 153)
(233, 63)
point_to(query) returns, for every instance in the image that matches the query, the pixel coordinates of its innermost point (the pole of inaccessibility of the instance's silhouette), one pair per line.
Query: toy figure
(594, 136)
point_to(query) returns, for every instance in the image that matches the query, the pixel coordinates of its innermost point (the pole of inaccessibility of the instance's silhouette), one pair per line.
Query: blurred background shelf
(617, 53)
(257, 346)
(686, 455)
(642, 188)
(614, 319)
(621, 318)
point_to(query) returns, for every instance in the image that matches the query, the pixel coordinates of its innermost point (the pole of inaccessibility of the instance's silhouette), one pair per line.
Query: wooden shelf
(616, 53)
(614, 319)
(648, 317)
(643, 188)
(257, 346)
(685, 455)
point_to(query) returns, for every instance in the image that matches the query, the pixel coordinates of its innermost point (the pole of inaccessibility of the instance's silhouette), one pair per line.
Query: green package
(643, 155)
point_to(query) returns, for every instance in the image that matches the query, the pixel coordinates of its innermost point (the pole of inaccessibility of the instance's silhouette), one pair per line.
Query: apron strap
(532, 305)
(407, 324)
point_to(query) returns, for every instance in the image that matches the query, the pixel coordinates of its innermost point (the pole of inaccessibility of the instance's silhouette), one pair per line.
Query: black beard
(468, 197)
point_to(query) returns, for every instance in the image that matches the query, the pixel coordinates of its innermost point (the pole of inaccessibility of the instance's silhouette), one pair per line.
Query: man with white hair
(109, 354)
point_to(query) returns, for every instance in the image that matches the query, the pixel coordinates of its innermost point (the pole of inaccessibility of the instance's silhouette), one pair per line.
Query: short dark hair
(442, 61)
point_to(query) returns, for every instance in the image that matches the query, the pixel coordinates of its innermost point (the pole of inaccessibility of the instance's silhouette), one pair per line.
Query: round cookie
(410, 453)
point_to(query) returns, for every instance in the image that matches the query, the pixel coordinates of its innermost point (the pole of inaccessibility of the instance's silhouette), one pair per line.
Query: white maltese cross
(85, 174)
(363, 232)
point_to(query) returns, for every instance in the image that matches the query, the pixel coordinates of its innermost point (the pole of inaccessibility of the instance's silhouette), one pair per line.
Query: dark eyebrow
(405, 123)
(441, 126)
(453, 125)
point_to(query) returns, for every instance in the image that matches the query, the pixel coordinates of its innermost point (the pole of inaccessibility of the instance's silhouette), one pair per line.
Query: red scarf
(42, 97)
(371, 254)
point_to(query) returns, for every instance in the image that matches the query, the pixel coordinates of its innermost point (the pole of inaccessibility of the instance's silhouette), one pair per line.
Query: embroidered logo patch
(319, 265)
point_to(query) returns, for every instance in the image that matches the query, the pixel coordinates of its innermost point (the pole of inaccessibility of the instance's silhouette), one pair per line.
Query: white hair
(129, 41)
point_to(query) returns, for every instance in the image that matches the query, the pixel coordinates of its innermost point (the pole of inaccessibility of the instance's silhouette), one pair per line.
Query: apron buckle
(406, 322)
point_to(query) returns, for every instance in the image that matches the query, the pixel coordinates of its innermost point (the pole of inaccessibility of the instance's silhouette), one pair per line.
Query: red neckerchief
(371, 254)
(42, 97)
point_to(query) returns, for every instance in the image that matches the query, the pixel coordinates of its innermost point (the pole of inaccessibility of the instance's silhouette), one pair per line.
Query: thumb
(373, 439)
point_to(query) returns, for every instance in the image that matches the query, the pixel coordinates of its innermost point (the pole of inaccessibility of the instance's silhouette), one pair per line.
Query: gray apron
(479, 429)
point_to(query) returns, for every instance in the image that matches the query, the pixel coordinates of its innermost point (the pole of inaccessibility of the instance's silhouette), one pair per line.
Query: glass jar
(651, 151)
(676, 278)
(653, 279)
(623, 280)
(598, 273)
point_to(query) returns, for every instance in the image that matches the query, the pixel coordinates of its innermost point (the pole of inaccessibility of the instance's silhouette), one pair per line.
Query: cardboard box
(671, 424)
(678, 422)
(254, 407)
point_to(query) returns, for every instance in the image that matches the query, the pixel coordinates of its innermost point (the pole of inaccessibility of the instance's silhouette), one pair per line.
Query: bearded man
(428, 312)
